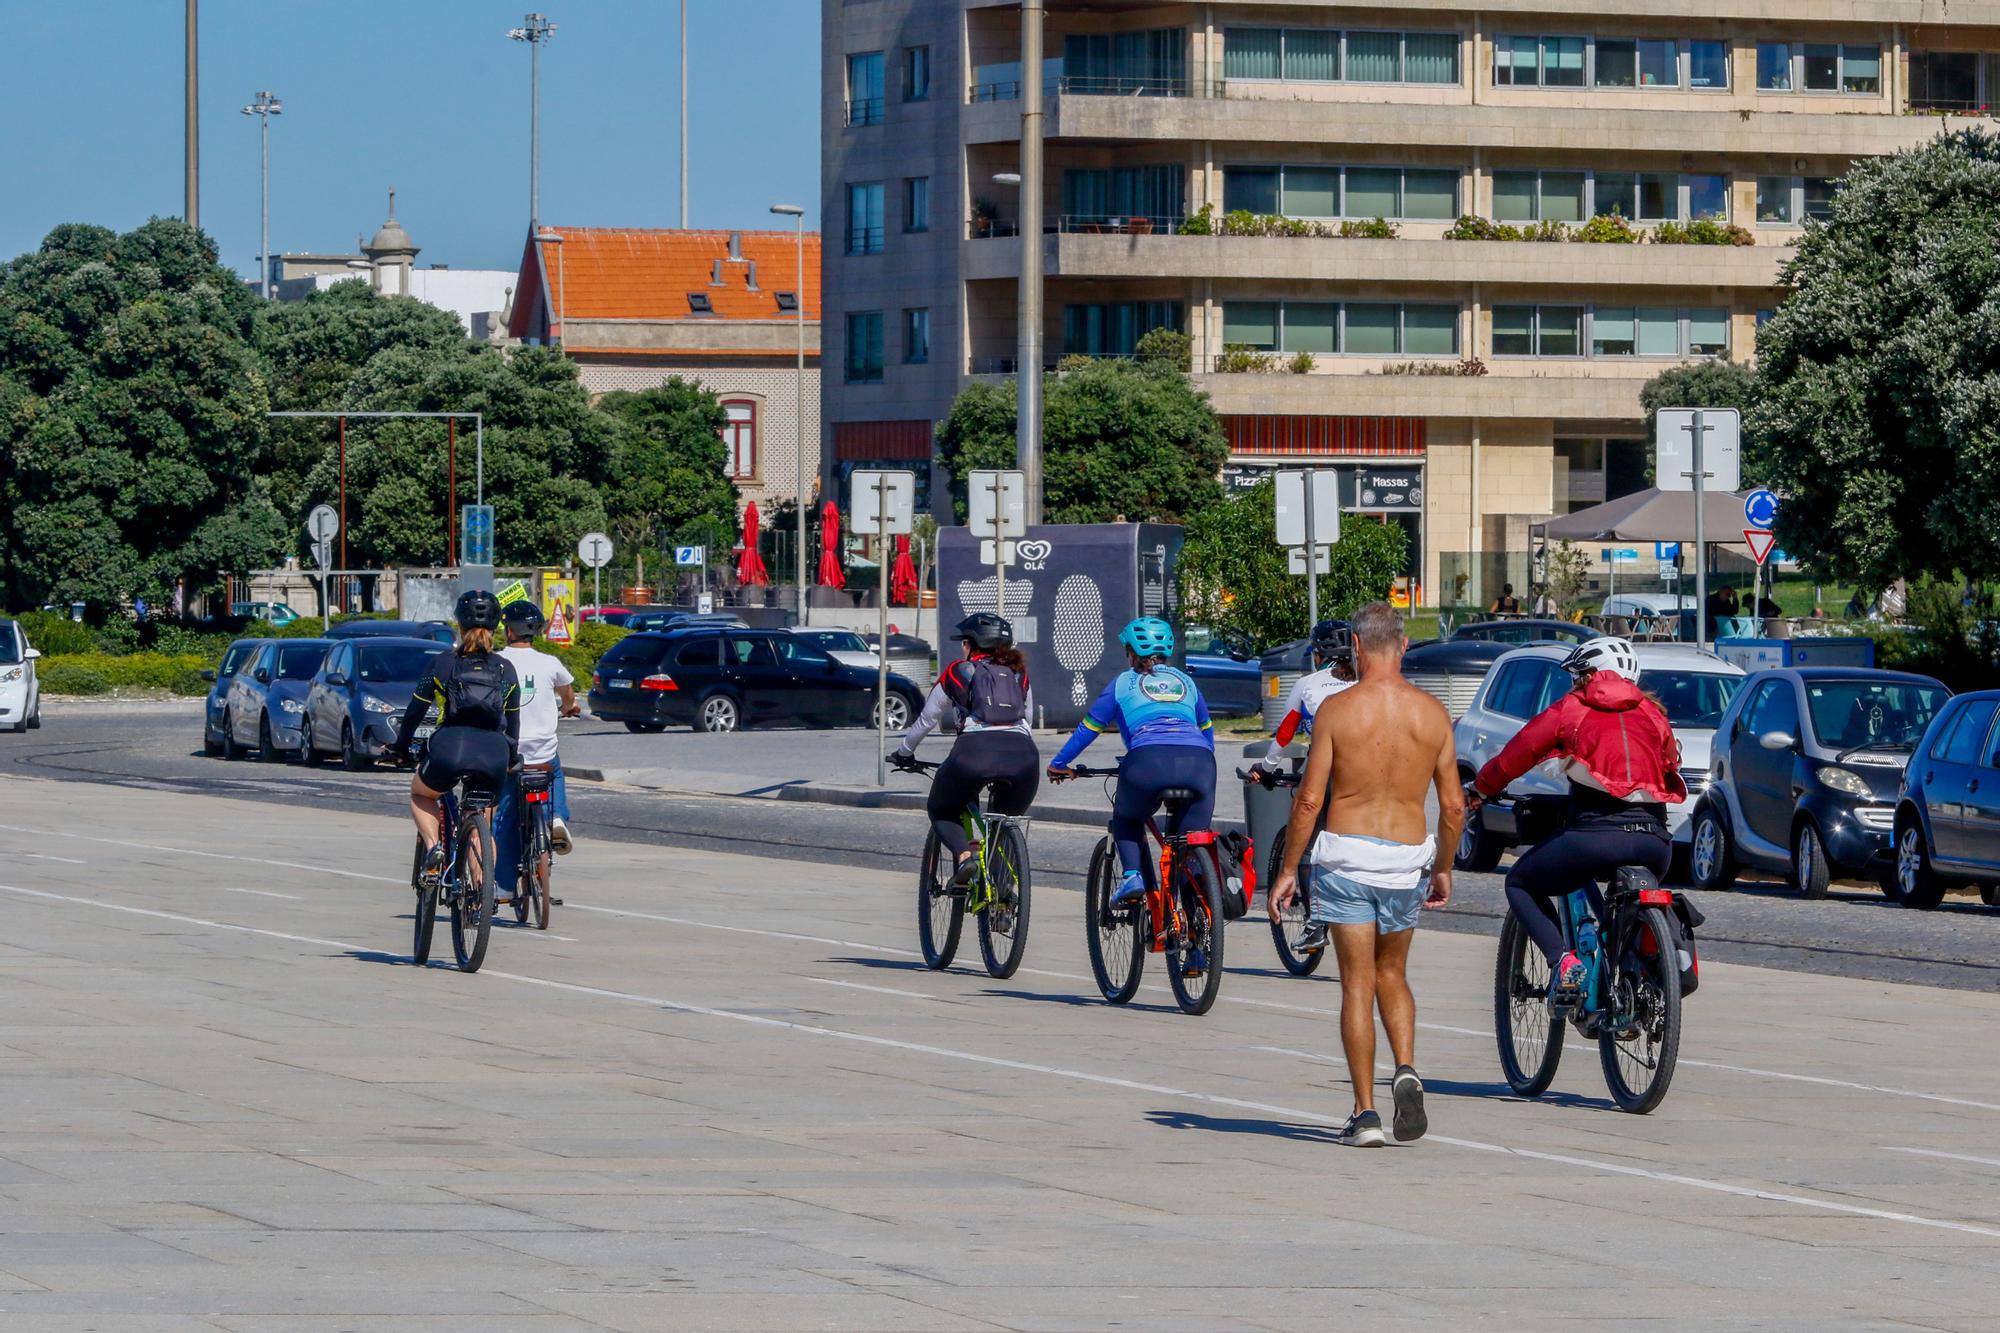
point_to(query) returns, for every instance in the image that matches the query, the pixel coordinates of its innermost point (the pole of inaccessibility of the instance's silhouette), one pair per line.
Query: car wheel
(719, 713)
(35, 718)
(1990, 894)
(646, 728)
(1478, 851)
(1917, 882)
(1711, 865)
(210, 745)
(1809, 868)
(308, 749)
(230, 748)
(897, 709)
(351, 756)
(267, 749)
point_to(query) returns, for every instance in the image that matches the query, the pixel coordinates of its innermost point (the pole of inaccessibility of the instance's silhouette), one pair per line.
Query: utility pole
(1028, 331)
(798, 216)
(191, 113)
(535, 30)
(684, 114)
(265, 106)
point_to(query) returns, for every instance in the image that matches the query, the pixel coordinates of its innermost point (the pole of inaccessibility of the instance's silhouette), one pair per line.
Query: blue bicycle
(1630, 1001)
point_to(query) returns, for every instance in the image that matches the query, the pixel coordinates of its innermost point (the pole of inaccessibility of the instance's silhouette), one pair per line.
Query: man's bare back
(1389, 741)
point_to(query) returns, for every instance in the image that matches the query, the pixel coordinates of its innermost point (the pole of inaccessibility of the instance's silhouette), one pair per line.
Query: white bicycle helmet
(1605, 654)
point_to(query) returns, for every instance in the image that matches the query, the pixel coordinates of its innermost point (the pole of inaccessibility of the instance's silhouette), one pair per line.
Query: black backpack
(987, 692)
(475, 691)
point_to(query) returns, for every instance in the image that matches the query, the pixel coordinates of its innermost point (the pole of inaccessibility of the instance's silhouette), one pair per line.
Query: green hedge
(57, 635)
(593, 639)
(104, 673)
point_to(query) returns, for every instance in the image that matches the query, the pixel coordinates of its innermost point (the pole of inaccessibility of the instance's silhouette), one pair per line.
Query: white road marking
(878, 990)
(1949, 1156)
(44, 856)
(1073, 1075)
(261, 893)
(196, 851)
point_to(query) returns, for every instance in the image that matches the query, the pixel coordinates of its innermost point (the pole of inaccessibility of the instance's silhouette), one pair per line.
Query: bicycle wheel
(541, 871)
(1194, 948)
(425, 917)
(940, 913)
(472, 894)
(1642, 1034)
(1531, 1040)
(1117, 936)
(1291, 922)
(1003, 926)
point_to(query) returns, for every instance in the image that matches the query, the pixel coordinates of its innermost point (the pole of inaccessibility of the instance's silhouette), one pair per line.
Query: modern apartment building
(1468, 386)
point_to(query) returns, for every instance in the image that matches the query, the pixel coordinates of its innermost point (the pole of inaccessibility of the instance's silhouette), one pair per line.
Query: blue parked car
(1225, 665)
(218, 693)
(267, 698)
(356, 699)
(1947, 827)
(435, 630)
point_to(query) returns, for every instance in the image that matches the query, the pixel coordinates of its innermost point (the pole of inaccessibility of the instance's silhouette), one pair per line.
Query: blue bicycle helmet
(1148, 636)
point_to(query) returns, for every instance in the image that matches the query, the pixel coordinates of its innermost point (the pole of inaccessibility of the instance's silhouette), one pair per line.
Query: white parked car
(1646, 604)
(843, 645)
(1694, 686)
(20, 692)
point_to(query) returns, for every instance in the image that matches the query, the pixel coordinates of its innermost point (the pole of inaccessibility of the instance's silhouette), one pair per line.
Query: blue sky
(426, 95)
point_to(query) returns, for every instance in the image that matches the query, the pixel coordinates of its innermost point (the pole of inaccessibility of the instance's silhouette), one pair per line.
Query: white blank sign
(882, 504)
(1721, 448)
(996, 504)
(1292, 508)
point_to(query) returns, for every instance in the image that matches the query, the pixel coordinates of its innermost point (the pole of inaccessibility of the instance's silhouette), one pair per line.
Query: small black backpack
(476, 691)
(987, 692)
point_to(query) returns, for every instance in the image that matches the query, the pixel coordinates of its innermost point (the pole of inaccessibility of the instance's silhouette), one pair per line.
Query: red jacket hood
(1609, 692)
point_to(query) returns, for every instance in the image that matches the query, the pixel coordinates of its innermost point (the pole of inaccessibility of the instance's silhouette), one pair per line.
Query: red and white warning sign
(1760, 543)
(558, 630)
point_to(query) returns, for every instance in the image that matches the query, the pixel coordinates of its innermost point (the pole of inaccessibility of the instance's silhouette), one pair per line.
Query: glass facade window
(1563, 62)
(1530, 196)
(916, 73)
(1513, 330)
(739, 437)
(1775, 204)
(1617, 62)
(916, 337)
(1113, 328)
(1816, 197)
(1517, 62)
(1430, 330)
(1372, 192)
(1614, 331)
(1861, 69)
(1659, 332)
(1374, 57)
(1515, 196)
(1371, 330)
(1250, 324)
(864, 88)
(1147, 63)
(1822, 67)
(1312, 326)
(1774, 67)
(1329, 55)
(1430, 195)
(916, 203)
(864, 347)
(1708, 332)
(1100, 195)
(1253, 53)
(1312, 192)
(1430, 57)
(1559, 330)
(1353, 328)
(1708, 64)
(1303, 191)
(1707, 197)
(1659, 64)
(1562, 196)
(1312, 55)
(1251, 189)
(864, 218)
(1642, 196)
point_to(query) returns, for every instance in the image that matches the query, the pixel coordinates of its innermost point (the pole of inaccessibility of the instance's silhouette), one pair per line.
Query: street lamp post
(191, 117)
(798, 214)
(265, 106)
(1028, 415)
(684, 114)
(535, 30)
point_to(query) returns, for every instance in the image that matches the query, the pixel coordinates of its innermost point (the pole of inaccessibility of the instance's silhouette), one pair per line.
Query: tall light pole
(798, 214)
(191, 117)
(264, 107)
(1028, 331)
(684, 114)
(535, 31)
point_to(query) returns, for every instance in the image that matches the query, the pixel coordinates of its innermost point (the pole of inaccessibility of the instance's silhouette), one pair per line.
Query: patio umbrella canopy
(750, 565)
(1652, 516)
(903, 574)
(830, 572)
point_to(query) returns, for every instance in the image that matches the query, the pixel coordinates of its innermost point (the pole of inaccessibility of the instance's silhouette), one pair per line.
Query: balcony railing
(1003, 90)
(1950, 106)
(1119, 85)
(865, 240)
(865, 111)
(1086, 224)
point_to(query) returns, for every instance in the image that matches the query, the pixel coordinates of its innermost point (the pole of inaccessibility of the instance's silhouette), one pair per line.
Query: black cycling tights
(1007, 760)
(1575, 857)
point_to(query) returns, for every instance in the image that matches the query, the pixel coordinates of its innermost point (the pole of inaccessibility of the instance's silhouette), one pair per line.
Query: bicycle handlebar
(1078, 771)
(1268, 778)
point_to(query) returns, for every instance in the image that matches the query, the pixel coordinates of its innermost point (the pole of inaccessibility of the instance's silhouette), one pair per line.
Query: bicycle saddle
(1180, 795)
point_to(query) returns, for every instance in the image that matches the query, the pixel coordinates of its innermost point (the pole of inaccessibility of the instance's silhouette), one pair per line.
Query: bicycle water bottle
(1586, 950)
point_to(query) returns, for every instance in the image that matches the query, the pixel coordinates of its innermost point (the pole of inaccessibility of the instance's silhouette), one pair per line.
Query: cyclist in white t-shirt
(548, 691)
(1333, 655)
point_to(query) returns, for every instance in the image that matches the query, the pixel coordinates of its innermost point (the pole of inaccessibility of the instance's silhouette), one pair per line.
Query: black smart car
(721, 679)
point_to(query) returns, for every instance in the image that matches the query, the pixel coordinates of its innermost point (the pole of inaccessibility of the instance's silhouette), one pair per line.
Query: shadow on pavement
(1277, 1129)
(887, 964)
(1500, 1092)
(1079, 1001)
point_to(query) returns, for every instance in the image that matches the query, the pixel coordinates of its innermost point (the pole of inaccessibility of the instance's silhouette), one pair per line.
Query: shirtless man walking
(1376, 748)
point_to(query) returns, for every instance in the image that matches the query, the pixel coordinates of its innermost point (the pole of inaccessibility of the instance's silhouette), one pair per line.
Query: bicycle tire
(1656, 982)
(1003, 929)
(1291, 923)
(472, 895)
(1199, 893)
(940, 915)
(1520, 1002)
(542, 872)
(1117, 939)
(424, 923)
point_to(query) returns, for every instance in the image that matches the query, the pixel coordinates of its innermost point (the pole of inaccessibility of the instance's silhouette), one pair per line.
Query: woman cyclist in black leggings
(479, 721)
(986, 695)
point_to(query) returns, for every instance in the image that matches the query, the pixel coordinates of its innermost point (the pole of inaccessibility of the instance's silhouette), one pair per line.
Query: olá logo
(1034, 553)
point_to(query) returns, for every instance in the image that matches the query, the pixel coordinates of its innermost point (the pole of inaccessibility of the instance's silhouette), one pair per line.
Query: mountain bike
(1000, 894)
(466, 883)
(537, 813)
(1180, 914)
(1290, 926)
(1630, 1001)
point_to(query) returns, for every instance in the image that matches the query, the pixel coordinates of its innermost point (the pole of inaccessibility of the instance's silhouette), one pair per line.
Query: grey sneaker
(1314, 940)
(1362, 1130)
(1408, 1090)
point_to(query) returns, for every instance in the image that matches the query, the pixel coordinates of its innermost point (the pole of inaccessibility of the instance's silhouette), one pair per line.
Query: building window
(1637, 196)
(739, 437)
(1540, 196)
(916, 74)
(1609, 332)
(1301, 191)
(1329, 55)
(864, 347)
(916, 203)
(864, 88)
(1825, 67)
(916, 337)
(1774, 67)
(1636, 63)
(1707, 197)
(1816, 198)
(1114, 195)
(1113, 328)
(1148, 63)
(1336, 328)
(1547, 61)
(864, 218)
(1775, 204)
(1708, 65)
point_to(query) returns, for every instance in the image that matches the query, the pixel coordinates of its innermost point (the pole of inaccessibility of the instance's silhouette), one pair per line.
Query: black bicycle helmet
(523, 615)
(985, 631)
(478, 609)
(1333, 639)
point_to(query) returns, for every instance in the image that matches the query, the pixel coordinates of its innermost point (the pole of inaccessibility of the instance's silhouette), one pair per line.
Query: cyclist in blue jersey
(1169, 742)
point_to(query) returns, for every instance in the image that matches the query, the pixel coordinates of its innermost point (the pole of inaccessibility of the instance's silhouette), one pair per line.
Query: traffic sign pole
(1697, 429)
(882, 639)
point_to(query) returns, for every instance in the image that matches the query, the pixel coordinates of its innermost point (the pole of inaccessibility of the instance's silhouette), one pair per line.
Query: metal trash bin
(1267, 811)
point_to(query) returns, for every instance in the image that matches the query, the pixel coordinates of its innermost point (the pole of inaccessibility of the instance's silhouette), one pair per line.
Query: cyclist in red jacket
(1623, 764)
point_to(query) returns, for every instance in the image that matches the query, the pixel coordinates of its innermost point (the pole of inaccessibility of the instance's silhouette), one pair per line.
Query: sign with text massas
(1071, 589)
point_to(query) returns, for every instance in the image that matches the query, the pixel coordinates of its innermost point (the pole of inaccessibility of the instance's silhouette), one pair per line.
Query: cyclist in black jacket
(478, 737)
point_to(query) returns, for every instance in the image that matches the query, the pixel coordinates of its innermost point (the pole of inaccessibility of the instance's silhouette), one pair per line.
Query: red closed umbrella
(831, 575)
(903, 574)
(750, 565)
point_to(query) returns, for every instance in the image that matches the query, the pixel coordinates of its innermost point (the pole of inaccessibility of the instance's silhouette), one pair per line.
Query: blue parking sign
(1666, 551)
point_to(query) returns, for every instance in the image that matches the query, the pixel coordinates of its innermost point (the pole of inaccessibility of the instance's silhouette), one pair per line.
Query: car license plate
(619, 684)
(424, 732)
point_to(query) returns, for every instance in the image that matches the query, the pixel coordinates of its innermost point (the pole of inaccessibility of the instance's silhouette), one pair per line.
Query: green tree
(131, 418)
(1878, 407)
(1120, 440)
(1234, 573)
(669, 469)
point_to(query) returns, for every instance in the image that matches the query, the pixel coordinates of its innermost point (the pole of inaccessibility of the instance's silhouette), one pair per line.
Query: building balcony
(1510, 391)
(1797, 11)
(1461, 124)
(1156, 253)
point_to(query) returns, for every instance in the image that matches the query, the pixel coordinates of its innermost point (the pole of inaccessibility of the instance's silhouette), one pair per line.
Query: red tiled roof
(648, 273)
